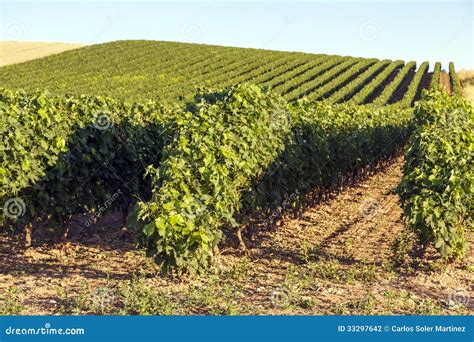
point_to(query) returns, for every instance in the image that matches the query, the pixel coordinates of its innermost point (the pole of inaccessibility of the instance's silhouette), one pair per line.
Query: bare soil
(445, 81)
(336, 258)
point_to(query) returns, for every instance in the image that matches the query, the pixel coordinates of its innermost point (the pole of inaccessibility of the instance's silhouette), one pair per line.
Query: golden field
(18, 52)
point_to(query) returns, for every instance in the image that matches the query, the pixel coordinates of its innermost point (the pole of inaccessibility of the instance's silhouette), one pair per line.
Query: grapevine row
(392, 87)
(304, 89)
(211, 174)
(438, 177)
(67, 155)
(140, 70)
(295, 72)
(297, 84)
(363, 95)
(328, 88)
(435, 79)
(414, 87)
(352, 87)
(455, 84)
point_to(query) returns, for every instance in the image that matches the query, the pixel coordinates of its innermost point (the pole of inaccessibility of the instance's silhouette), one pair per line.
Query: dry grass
(467, 79)
(18, 52)
(466, 75)
(468, 91)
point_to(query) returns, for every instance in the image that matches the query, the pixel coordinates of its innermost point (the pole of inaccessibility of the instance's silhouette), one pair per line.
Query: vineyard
(196, 150)
(137, 70)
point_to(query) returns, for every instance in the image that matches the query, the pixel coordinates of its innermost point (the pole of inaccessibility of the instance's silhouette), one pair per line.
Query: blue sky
(409, 30)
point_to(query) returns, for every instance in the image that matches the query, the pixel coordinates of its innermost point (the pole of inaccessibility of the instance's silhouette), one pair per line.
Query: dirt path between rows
(445, 81)
(337, 258)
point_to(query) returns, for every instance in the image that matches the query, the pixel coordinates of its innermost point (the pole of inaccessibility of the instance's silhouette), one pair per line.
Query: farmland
(280, 274)
(18, 52)
(172, 72)
(467, 77)
(252, 182)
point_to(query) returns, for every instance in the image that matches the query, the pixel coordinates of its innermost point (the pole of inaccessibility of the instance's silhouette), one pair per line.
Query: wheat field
(17, 52)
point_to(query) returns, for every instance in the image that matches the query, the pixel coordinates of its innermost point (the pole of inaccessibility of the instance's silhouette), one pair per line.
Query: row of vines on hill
(171, 72)
(414, 87)
(389, 91)
(355, 85)
(377, 82)
(327, 89)
(455, 84)
(436, 77)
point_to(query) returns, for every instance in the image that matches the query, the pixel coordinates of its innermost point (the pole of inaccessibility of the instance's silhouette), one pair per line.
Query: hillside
(467, 79)
(18, 52)
(173, 71)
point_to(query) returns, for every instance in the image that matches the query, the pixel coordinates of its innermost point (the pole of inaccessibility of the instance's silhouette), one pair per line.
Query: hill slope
(18, 52)
(173, 71)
